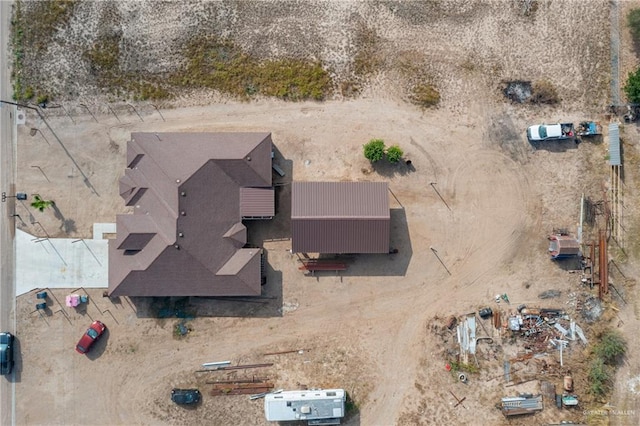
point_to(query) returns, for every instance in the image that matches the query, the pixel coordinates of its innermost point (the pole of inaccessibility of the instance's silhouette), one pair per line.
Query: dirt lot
(371, 329)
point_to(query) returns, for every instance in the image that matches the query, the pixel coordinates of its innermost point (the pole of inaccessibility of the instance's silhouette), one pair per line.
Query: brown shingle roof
(340, 217)
(186, 191)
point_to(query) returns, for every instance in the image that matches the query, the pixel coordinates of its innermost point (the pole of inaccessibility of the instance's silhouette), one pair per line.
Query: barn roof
(340, 217)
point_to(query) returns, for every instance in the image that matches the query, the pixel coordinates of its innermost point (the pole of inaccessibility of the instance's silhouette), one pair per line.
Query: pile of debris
(544, 328)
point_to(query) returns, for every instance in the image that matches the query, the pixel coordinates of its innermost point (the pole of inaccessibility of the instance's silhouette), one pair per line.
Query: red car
(93, 333)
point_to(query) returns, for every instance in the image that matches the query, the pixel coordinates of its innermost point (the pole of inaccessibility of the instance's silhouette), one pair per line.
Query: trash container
(41, 295)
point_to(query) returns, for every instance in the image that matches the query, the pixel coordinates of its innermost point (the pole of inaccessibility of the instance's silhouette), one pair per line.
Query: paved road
(7, 225)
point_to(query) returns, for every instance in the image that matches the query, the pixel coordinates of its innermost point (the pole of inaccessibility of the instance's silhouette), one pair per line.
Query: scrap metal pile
(544, 329)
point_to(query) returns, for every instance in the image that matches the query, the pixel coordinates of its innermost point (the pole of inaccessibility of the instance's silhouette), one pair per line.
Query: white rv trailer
(326, 406)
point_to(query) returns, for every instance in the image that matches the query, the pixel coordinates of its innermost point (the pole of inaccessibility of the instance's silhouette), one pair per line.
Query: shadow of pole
(90, 113)
(433, 185)
(114, 113)
(136, 111)
(158, 110)
(86, 178)
(396, 198)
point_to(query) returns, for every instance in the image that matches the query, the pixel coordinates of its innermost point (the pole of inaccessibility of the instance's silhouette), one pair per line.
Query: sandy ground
(370, 330)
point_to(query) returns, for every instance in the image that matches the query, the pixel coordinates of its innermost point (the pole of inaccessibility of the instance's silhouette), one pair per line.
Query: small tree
(394, 154)
(611, 347)
(632, 88)
(599, 378)
(40, 204)
(374, 150)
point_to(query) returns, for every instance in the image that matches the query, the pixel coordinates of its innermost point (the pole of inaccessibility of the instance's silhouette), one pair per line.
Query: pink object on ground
(72, 300)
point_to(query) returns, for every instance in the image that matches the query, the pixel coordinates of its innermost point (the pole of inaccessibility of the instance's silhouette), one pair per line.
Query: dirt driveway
(366, 330)
(478, 195)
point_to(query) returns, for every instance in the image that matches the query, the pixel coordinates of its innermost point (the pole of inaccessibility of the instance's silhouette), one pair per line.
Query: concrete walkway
(62, 262)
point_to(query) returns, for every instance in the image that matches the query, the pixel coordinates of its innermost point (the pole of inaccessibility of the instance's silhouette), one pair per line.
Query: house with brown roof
(190, 193)
(340, 217)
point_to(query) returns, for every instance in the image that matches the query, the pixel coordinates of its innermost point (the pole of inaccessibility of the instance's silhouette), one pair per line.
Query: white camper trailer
(319, 407)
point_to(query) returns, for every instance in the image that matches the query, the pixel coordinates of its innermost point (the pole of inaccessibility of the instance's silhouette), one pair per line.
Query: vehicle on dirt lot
(6, 353)
(485, 313)
(548, 132)
(589, 128)
(185, 396)
(93, 333)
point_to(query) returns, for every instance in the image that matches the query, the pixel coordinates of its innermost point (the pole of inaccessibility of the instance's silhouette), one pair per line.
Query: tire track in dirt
(488, 229)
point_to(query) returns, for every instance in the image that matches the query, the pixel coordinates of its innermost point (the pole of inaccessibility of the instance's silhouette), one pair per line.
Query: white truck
(548, 132)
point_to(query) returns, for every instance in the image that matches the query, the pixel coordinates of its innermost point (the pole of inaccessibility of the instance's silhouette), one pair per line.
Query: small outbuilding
(562, 246)
(340, 217)
(325, 407)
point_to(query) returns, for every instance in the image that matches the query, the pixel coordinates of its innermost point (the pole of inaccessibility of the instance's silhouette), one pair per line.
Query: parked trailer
(589, 128)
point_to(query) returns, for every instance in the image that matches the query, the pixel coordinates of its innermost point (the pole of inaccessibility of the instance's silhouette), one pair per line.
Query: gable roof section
(237, 233)
(340, 217)
(186, 231)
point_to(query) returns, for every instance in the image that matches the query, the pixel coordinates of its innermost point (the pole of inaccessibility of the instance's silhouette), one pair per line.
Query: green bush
(632, 88)
(374, 150)
(611, 347)
(394, 154)
(600, 376)
(633, 20)
(40, 204)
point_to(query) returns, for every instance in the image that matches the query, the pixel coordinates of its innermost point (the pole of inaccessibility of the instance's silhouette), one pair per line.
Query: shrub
(42, 99)
(600, 376)
(28, 93)
(374, 150)
(611, 347)
(41, 204)
(394, 154)
(543, 92)
(632, 87)
(221, 65)
(425, 95)
(633, 20)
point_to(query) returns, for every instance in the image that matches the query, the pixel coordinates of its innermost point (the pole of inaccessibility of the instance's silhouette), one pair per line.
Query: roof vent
(177, 180)
(183, 213)
(177, 246)
(183, 193)
(248, 158)
(180, 234)
(305, 409)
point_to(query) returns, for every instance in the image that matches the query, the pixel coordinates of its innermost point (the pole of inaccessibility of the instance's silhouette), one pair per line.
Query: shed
(562, 246)
(316, 406)
(340, 217)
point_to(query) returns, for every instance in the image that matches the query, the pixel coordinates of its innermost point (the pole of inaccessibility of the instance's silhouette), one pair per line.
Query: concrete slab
(60, 263)
(99, 229)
